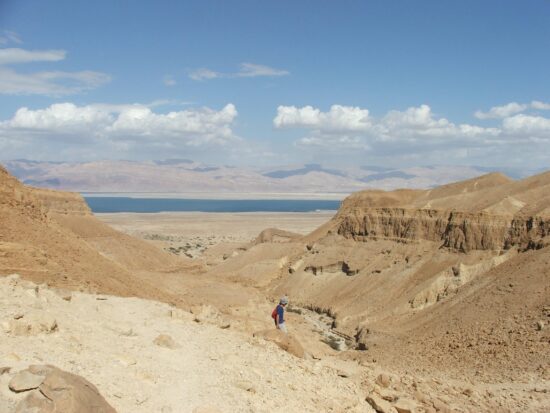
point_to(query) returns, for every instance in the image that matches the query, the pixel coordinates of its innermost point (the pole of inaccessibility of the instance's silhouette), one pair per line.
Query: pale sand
(214, 227)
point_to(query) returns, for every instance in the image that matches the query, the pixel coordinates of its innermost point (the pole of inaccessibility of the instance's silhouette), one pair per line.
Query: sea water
(126, 204)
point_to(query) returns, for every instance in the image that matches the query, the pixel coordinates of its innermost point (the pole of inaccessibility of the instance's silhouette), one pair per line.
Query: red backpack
(274, 313)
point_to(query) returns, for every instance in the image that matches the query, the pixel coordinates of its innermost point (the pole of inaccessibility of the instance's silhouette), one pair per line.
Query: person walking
(279, 314)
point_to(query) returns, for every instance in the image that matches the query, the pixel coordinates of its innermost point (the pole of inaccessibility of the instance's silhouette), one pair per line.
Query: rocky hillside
(52, 237)
(391, 263)
(486, 213)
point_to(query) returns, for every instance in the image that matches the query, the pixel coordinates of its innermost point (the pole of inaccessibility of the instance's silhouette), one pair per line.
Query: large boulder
(287, 342)
(58, 392)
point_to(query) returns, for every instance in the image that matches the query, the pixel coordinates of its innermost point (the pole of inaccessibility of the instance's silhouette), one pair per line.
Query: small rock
(4, 370)
(468, 392)
(33, 323)
(380, 405)
(164, 340)
(24, 381)
(383, 380)
(388, 395)
(246, 385)
(405, 406)
(127, 332)
(65, 295)
(18, 316)
(540, 325)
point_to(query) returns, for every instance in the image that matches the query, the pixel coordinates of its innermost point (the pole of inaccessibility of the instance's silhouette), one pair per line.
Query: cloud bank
(417, 134)
(101, 129)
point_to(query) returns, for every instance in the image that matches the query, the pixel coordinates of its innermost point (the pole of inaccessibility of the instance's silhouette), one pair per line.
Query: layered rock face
(407, 216)
(460, 231)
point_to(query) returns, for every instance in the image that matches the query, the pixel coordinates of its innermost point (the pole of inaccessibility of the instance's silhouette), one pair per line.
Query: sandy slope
(110, 341)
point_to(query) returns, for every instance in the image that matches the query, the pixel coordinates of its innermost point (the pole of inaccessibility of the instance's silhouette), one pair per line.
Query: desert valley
(406, 301)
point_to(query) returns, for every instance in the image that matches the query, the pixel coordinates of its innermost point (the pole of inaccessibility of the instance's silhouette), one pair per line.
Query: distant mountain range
(186, 176)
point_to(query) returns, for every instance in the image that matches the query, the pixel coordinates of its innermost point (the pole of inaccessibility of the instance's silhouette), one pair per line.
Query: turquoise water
(123, 204)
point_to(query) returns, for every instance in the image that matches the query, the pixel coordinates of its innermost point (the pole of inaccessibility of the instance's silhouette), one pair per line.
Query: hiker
(279, 314)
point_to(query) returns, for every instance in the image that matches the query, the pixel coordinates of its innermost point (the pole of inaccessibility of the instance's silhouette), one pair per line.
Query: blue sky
(265, 83)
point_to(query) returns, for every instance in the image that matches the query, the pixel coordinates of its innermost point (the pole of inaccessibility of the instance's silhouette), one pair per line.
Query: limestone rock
(383, 380)
(380, 405)
(361, 338)
(405, 406)
(34, 323)
(164, 340)
(24, 381)
(62, 392)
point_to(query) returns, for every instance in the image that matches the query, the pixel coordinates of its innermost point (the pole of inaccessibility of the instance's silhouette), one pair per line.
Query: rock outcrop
(52, 390)
(409, 216)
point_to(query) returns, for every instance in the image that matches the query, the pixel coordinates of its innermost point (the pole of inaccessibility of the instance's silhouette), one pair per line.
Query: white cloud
(254, 70)
(55, 83)
(504, 111)
(353, 127)
(9, 36)
(338, 118)
(528, 125)
(246, 70)
(124, 123)
(16, 55)
(510, 109)
(169, 80)
(50, 83)
(535, 104)
(204, 74)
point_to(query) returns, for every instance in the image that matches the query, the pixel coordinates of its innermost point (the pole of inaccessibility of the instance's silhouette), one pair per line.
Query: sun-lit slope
(491, 322)
(388, 262)
(52, 237)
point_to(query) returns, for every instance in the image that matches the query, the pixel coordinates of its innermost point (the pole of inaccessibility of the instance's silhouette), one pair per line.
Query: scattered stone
(246, 385)
(540, 325)
(361, 338)
(33, 323)
(179, 314)
(64, 295)
(18, 316)
(4, 370)
(164, 340)
(405, 406)
(205, 313)
(129, 332)
(24, 381)
(468, 392)
(388, 395)
(380, 405)
(383, 380)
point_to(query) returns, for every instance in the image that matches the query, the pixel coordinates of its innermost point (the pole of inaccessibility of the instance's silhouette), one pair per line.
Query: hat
(284, 300)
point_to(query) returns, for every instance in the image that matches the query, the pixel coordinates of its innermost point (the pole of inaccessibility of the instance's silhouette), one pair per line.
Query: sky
(257, 83)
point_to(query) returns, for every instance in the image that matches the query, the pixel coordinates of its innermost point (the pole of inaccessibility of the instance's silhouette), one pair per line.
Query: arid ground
(405, 301)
